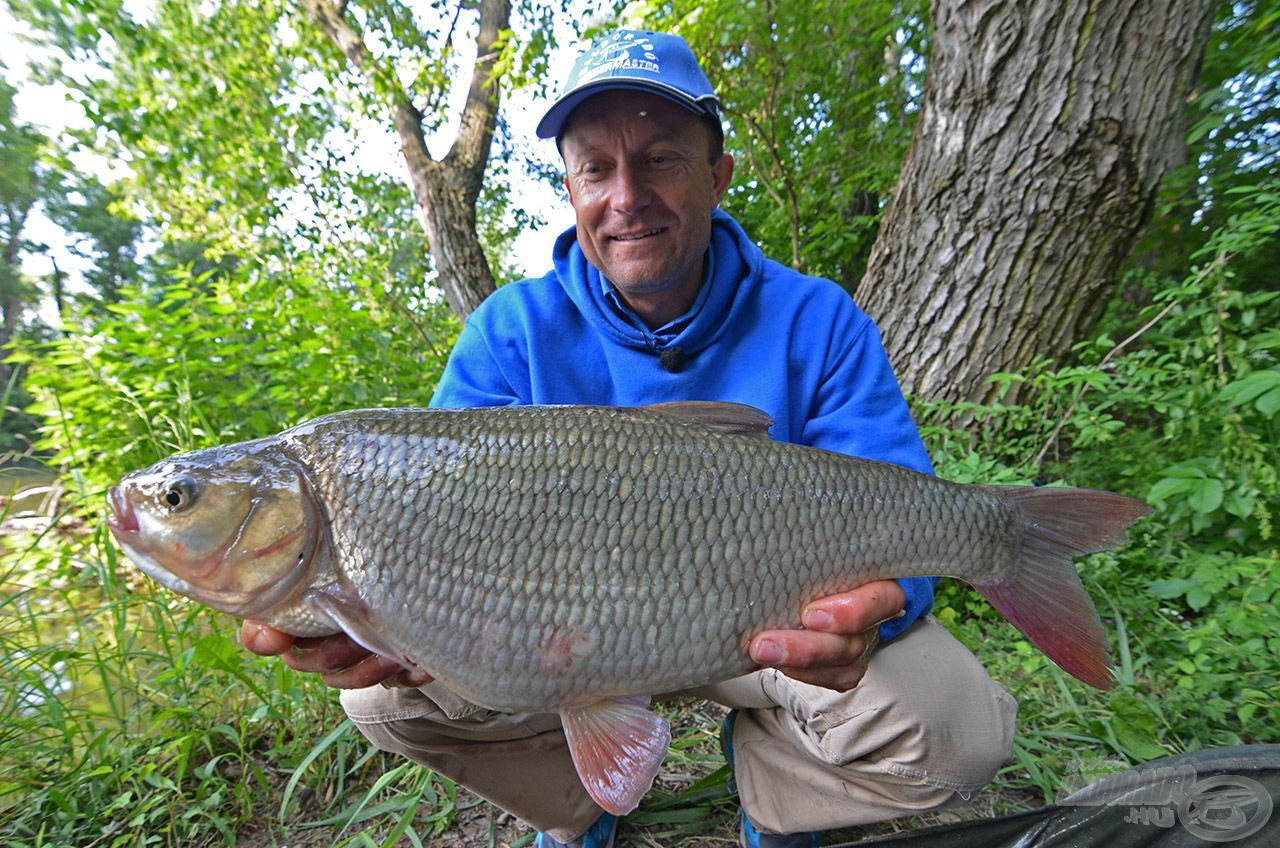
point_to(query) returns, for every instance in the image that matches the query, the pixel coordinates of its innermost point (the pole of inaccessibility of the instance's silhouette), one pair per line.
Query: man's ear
(568, 188)
(721, 175)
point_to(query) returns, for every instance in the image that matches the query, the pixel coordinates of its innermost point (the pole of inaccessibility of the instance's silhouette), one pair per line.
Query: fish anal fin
(351, 614)
(617, 747)
(735, 419)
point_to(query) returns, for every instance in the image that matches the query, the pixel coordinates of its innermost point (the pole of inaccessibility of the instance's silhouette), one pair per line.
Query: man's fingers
(341, 661)
(265, 641)
(374, 669)
(855, 611)
(797, 649)
(325, 653)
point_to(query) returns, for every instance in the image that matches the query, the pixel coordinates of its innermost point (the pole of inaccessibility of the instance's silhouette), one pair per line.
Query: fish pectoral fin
(352, 616)
(734, 419)
(617, 747)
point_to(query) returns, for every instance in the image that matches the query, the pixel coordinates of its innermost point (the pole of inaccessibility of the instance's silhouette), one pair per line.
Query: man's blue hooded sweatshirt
(759, 333)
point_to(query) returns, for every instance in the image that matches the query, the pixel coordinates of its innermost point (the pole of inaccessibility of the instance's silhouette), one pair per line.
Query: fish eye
(178, 495)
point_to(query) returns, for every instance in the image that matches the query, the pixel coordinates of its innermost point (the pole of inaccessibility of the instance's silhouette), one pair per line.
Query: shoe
(599, 835)
(748, 836)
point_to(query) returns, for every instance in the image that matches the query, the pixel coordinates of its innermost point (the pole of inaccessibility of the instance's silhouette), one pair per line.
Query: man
(656, 295)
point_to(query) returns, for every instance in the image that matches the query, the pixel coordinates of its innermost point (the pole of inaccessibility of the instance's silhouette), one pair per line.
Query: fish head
(235, 527)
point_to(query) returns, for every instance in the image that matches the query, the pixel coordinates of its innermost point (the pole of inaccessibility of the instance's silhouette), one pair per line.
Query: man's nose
(631, 192)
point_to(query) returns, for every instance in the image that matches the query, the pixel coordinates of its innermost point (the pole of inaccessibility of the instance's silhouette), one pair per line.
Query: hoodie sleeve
(859, 410)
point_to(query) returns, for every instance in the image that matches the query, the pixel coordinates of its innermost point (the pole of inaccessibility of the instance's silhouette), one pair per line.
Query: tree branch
(445, 190)
(470, 149)
(791, 204)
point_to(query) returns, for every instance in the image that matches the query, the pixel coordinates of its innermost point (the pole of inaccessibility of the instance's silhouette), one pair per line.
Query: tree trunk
(1045, 129)
(12, 300)
(446, 189)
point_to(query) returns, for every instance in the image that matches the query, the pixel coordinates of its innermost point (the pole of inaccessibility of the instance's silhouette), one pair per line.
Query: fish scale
(807, 530)
(565, 559)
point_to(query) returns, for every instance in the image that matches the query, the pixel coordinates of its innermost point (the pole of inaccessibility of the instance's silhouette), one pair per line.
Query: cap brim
(552, 123)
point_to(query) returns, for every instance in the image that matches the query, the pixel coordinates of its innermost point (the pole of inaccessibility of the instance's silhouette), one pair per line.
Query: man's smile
(640, 235)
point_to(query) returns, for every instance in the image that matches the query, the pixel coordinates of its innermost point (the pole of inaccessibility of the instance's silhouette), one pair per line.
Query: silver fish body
(613, 554)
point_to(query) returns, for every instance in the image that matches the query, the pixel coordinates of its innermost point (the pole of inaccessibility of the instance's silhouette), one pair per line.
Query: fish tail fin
(1041, 594)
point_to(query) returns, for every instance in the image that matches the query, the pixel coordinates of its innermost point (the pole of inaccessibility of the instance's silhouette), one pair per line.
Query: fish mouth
(121, 518)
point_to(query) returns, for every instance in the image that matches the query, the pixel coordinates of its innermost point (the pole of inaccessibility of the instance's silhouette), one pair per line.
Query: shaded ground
(672, 816)
(481, 824)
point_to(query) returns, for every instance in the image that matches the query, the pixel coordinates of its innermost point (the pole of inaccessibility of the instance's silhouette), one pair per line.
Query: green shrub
(132, 717)
(218, 359)
(1182, 412)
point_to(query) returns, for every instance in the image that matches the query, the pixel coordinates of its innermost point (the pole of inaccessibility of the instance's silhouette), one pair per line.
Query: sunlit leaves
(820, 101)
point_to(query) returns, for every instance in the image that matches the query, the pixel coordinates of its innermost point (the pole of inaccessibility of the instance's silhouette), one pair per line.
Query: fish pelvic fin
(1041, 594)
(617, 747)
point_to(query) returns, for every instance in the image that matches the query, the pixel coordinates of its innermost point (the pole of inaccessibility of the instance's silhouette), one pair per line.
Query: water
(27, 489)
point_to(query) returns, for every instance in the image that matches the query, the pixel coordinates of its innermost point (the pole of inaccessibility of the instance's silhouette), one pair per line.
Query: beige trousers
(925, 728)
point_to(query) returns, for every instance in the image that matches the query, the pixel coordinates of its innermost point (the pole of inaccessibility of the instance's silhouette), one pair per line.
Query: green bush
(132, 717)
(211, 360)
(1182, 412)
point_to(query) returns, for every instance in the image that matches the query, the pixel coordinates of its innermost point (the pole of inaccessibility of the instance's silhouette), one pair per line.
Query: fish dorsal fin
(617, 747)
(735, 419)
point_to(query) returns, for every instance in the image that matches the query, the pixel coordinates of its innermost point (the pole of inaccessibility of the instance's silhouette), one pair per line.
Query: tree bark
(12, 302)
(1045, 129)
(445, 190)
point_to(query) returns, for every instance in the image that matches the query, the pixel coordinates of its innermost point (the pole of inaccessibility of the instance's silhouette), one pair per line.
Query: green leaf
(1206, 496)
(1240, 392)
(1140, 741)
(1269, 403)
(1238, 504)
(1191, 468)
(1170, 588)
(1166, 487)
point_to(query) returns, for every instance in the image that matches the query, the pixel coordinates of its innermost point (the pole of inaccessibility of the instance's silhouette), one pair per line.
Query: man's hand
(840, 633)
(339, 660)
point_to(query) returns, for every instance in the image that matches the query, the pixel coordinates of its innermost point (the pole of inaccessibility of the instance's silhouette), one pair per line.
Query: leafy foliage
(20, 185)
(1182, 415)
(820, 100)
(214, 359)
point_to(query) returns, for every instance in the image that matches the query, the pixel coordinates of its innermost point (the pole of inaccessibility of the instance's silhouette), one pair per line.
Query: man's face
(642, 188)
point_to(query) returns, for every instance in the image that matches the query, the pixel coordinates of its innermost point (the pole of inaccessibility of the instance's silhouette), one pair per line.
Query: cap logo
(626, 51)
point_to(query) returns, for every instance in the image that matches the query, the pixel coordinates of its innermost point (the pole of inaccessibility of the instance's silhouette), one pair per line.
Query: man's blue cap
(626, 58)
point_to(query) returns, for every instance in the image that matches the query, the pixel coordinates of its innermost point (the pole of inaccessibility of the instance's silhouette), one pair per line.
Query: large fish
(569, 559)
